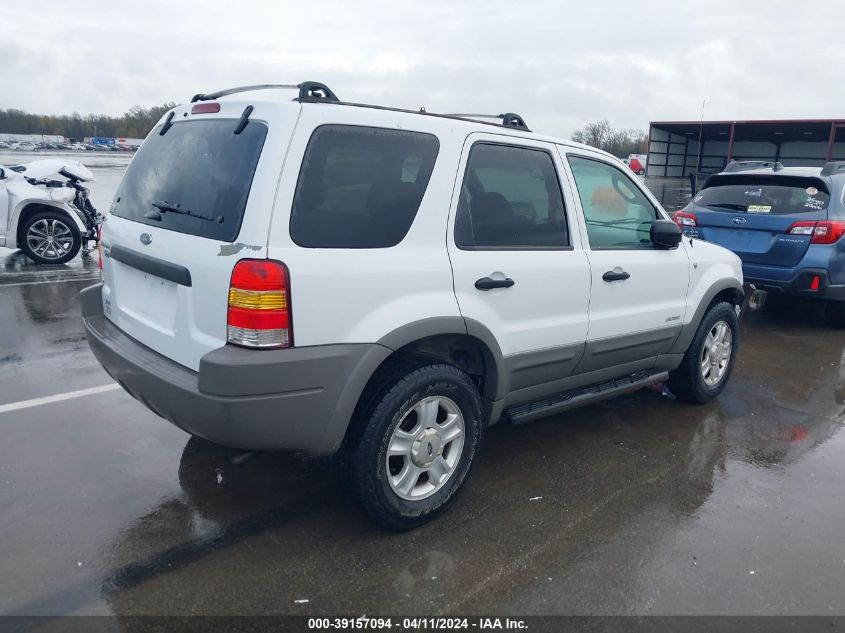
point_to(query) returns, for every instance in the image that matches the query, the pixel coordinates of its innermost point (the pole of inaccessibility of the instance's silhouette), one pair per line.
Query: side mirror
(2, 174)
(665, 234)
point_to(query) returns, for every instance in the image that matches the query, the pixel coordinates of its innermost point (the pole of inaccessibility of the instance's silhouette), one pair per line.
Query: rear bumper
(800, 285)
(296, 399)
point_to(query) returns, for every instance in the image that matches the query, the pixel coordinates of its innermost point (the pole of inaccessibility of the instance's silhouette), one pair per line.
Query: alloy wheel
(716, 353)
(425, 448)
(49, 238)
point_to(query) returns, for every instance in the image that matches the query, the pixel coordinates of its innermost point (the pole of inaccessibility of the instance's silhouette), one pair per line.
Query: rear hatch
(195, 200)
(752, 215)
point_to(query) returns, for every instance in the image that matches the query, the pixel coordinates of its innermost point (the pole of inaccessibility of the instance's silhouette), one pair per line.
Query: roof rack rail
(743, 165)
(509, 119)
(833, 167)
(308, 91)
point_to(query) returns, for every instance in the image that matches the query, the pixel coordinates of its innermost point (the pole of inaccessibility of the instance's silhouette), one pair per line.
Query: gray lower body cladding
(295, 399)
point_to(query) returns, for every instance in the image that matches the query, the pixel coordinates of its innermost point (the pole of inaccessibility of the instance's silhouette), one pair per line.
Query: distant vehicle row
(34, 147)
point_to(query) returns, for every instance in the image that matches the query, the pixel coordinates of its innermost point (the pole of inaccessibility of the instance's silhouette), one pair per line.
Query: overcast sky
(559, 64)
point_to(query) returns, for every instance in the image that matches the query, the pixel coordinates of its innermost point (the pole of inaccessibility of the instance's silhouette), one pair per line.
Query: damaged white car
(45, 211)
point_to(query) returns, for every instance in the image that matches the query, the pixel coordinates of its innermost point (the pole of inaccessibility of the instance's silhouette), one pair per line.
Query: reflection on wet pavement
(638, 505)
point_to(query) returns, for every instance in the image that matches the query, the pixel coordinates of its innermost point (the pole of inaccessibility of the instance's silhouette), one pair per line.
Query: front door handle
(488, 283)
(614, 275)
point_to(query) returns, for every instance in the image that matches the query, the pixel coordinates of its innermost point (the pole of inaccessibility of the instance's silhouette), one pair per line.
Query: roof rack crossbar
(308, 91)
(833, 167)
(509, 119)
(743, 165)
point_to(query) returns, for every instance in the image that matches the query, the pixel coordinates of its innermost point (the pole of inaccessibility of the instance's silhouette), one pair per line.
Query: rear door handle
(488, 283)
(613, 275)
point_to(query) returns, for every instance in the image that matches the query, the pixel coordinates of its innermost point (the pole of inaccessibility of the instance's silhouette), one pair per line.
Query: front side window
(617, 213)
(510, 198)
(360, 187)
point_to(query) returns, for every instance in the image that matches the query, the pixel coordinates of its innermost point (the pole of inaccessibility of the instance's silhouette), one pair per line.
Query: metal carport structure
(674, 148)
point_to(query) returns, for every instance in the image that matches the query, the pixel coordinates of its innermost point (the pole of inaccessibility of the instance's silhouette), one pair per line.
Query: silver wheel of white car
(710, 357)
(50, 238)
(716, 353)
(413, 441)
(425, 448)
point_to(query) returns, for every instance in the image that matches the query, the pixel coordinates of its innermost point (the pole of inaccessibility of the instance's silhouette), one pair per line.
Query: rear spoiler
(820, 183)
(743, 165)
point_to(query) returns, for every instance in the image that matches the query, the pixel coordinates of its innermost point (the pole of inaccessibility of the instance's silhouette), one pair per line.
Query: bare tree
(620, 143)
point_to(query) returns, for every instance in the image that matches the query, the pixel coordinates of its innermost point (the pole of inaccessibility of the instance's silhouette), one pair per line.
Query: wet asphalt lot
(640, 505)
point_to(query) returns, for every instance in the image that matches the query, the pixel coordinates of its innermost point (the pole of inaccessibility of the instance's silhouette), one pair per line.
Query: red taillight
(814, 285)
(259, 305)
(685, 219)
(823, 232)
(205, 108)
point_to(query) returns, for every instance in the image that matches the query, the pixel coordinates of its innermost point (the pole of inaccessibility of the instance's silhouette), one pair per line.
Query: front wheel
(418, 438)
(709, 360)
(50, 237)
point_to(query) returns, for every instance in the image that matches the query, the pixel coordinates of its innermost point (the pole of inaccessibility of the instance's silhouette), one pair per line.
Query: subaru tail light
(823, 232)
(259, 305)
(685, 219)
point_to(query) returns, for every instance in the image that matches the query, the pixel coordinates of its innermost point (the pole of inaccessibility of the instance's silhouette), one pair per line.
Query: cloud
(558, 64)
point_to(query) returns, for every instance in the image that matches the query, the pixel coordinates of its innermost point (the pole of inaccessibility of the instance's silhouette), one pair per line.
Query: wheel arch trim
(495, 371)
(688, 332)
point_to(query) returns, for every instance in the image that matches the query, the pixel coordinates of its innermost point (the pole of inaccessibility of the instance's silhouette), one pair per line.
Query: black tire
(687, 381)
(835, 314)
(384, 408)
(50, 217)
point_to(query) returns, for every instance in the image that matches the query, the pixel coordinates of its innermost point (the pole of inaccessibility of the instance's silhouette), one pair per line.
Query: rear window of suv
(771, 195)
(195, 179)
(360, 187)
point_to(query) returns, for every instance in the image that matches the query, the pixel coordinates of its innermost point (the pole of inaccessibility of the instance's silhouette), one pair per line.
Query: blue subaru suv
(785, 223)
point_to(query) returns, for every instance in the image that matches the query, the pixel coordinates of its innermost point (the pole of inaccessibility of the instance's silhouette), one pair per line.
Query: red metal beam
(836, 121)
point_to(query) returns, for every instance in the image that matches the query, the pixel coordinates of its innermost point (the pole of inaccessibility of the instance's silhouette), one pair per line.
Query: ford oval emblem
(735, 221)
(146, 238)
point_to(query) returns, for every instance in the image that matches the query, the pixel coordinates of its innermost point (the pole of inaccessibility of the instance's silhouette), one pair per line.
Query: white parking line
(59, 397)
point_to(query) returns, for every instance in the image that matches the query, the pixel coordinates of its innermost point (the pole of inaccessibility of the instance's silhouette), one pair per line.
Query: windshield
(772, 196)
(195, 179)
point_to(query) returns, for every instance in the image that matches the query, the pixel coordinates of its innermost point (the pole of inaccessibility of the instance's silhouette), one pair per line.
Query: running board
(530, 411)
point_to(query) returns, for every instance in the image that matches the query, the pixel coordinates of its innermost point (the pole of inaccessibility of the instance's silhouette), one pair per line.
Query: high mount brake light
(259, 305)
(205, 108)
(685, 219)
(822, 232)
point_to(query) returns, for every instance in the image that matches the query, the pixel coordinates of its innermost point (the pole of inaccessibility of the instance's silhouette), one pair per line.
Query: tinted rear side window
(510, 198)
(770, 195)
(202, 169)
(360, 187)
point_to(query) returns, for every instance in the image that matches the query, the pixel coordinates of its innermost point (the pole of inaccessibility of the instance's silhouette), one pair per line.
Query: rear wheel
(417, 441)
(50, 237)
(709, 360)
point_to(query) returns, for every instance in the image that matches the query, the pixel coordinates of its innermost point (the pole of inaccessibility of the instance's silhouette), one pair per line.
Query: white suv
(329, 277)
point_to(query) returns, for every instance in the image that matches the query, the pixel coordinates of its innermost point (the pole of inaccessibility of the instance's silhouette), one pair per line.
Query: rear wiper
(727, 205)
(166, 207)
